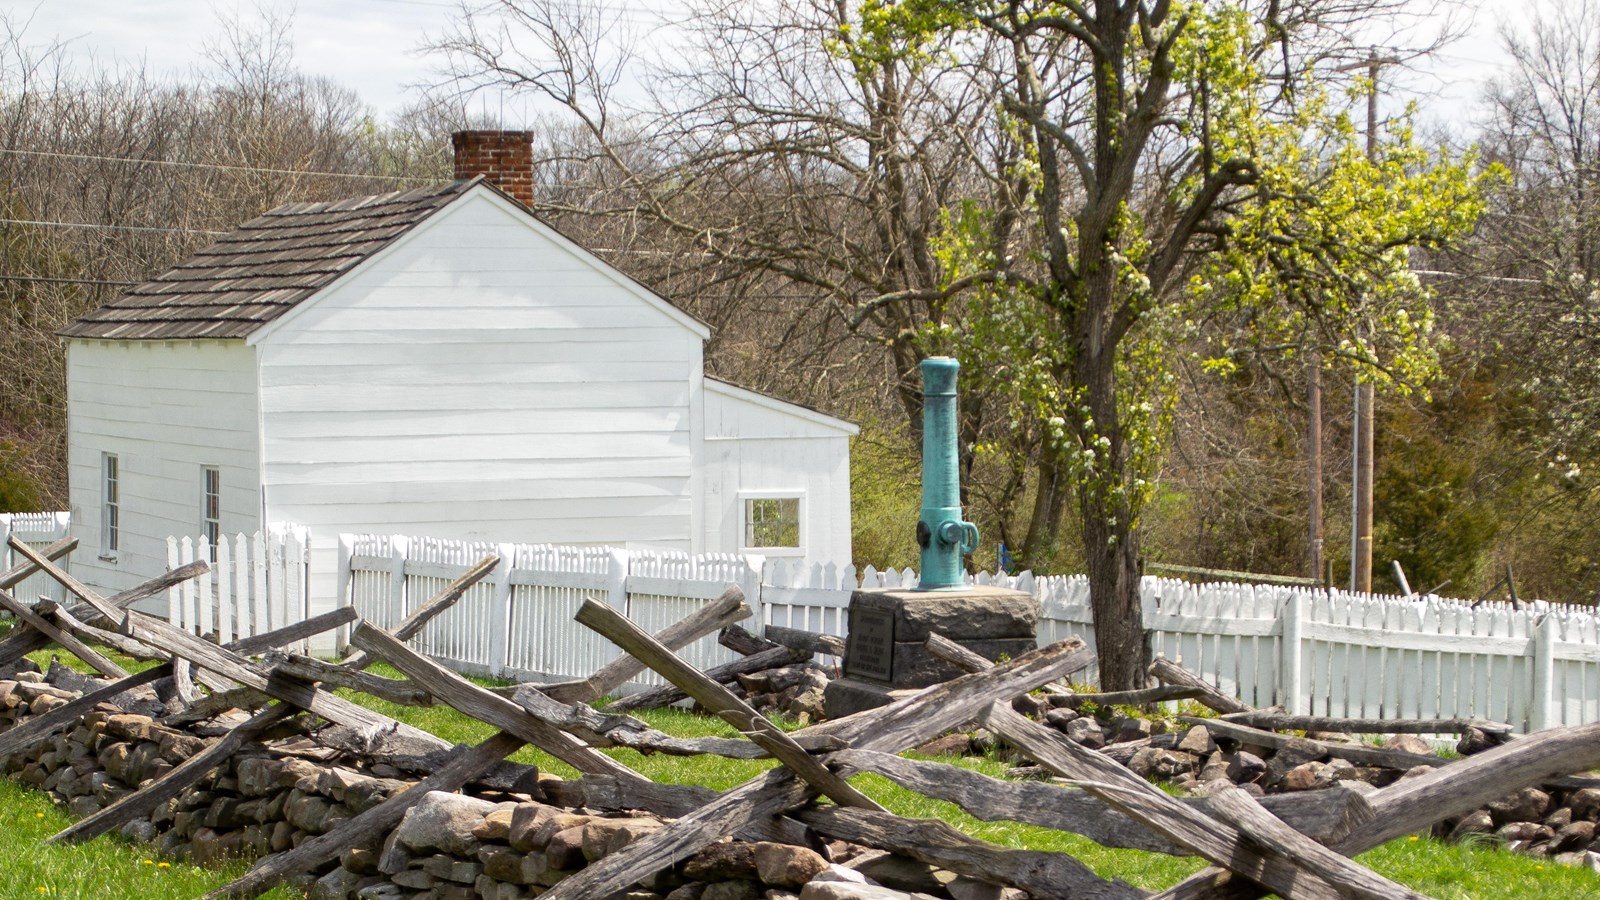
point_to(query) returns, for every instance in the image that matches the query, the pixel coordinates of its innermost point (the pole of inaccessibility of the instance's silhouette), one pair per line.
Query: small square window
(772, 522)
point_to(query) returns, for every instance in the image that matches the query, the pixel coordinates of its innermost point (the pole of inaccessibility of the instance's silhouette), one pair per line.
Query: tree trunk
(1114, 599)
(1105, 502)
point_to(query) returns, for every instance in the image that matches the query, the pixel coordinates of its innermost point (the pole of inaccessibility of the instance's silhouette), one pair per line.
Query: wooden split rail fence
(1296, 845)
(1313, 652)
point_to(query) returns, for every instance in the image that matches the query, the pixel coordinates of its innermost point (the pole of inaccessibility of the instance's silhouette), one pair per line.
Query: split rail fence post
(1291, 679)
(500, 611)
(1544, 674)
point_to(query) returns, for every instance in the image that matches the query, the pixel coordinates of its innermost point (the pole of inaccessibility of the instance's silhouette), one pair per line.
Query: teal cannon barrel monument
(941, 533)
(886, 651)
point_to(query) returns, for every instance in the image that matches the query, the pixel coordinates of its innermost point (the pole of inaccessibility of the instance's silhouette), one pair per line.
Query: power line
(97, 227)
(218, 166)
(5, 277)
(232, 168)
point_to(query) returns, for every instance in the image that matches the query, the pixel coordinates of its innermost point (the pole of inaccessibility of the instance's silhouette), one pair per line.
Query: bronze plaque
(869, 651)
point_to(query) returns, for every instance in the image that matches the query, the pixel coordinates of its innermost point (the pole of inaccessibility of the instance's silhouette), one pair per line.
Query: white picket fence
(37, 530)
(517, 622)
(256, 583)
(1361, 655)
(1312, 652)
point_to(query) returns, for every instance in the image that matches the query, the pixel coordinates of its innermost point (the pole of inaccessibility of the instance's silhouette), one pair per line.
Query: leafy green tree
(1437, 522)
(18, 489)
(1185, 169)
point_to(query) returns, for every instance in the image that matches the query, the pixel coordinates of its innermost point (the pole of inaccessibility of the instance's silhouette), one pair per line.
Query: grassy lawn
(106, 868)
(111, 868)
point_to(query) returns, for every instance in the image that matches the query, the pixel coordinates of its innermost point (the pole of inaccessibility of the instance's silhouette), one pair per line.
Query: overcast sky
(372, 45)
(368, 45)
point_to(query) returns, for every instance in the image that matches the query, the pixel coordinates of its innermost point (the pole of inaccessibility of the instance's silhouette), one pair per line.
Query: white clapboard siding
(167, 410)
(758, 446)
(37, 530)
(434, 390)
(479, 378)
(256, 583)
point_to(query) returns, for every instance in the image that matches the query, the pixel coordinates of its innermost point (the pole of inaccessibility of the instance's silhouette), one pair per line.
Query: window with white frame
(771, 521)
(111, 506)
(211, 507)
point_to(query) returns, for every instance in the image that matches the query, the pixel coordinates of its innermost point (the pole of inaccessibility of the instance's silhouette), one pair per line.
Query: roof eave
(777, 404)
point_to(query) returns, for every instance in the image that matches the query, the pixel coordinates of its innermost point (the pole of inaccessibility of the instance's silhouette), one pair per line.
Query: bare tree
(780, 184)
(1546, 129)
(1525, 297)
(108, 176)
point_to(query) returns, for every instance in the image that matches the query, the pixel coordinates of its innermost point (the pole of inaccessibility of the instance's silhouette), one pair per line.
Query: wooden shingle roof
(258, 272)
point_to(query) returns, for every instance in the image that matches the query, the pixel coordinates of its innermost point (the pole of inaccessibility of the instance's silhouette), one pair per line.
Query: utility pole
(1363, 424)
(1361, 488)
(1314, 459)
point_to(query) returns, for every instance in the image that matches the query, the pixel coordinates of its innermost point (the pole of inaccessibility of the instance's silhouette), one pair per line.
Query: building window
(111, 514)
(211, 507)
(772, 522)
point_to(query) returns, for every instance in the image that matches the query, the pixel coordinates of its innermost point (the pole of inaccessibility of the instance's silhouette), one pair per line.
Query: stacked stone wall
(277, 792)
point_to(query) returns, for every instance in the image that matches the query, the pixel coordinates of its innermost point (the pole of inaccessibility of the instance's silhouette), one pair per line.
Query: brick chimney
(504, 158)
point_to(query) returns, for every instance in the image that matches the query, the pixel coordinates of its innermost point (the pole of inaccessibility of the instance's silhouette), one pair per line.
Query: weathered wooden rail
(1297, 846)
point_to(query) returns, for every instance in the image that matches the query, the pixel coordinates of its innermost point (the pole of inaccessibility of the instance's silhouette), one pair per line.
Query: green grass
(106, 868)
(111, 868)
(1469, 872)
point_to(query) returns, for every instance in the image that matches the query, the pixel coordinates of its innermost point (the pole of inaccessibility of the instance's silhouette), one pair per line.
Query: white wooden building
(436, 362)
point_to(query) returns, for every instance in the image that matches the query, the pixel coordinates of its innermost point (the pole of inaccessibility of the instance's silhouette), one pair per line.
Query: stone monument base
(886, 652)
